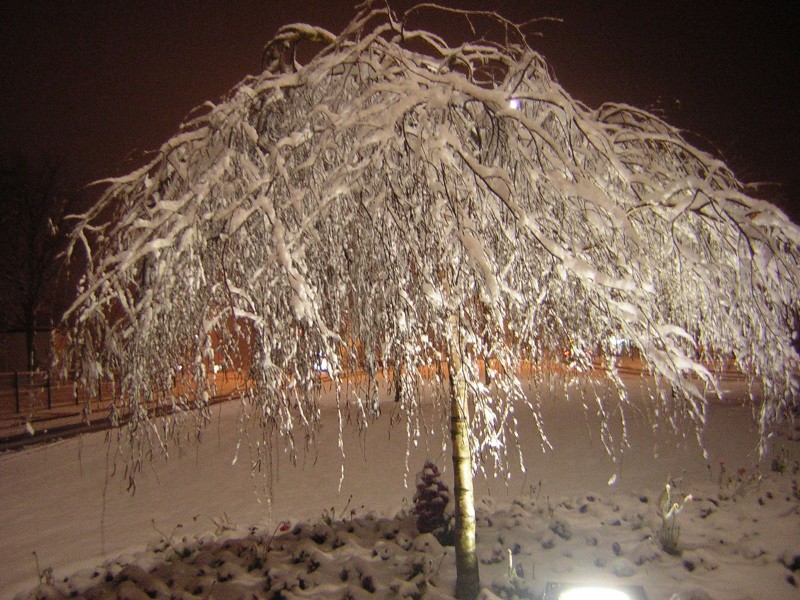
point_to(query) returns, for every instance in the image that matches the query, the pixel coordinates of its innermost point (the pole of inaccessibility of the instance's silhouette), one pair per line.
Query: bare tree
(31, 237)
(403, 207)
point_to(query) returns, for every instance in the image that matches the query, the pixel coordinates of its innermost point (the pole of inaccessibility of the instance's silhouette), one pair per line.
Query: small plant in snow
(782, 463)
(669, 510)
(329, 515)
(167, 541)
(513, 584)
(221, 524)
(430, 503)
(46, 574)
(731, 485)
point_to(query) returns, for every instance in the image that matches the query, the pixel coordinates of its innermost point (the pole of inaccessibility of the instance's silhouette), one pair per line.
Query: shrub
(430, 502)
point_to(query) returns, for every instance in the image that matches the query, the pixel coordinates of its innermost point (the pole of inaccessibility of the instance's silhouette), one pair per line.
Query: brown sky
(101, 82)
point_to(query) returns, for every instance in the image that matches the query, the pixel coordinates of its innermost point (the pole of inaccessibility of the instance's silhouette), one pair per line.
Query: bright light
(513, 103)
(321, 365)
(593, 593)
(617, 345)
(582, 591)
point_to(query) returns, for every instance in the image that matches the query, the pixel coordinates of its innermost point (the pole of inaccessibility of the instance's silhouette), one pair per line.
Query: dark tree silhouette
(33, 205)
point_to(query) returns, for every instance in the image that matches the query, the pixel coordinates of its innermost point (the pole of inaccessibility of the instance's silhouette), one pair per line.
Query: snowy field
(576, 516)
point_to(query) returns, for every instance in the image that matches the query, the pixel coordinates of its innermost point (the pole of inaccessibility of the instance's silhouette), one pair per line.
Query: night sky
(100, 83)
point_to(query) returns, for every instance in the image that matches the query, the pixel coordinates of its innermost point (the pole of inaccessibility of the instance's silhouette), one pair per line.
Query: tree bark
(30, 339)
(467, 574)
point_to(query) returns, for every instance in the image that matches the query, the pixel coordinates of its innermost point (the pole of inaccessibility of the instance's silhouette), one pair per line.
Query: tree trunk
(467, 576)
(30, 347)
(29, 324)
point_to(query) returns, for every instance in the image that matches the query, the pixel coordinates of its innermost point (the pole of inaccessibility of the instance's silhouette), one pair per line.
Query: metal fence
(32, 391)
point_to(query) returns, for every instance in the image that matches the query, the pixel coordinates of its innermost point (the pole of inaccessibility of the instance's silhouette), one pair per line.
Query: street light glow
(593, 593)
(585, 591)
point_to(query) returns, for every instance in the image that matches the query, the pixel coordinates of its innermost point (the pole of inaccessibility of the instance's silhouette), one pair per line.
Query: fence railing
(31, 391)
(24, 392)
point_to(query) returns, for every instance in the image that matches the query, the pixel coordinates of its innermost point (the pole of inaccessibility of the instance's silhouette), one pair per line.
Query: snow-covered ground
(562, 521)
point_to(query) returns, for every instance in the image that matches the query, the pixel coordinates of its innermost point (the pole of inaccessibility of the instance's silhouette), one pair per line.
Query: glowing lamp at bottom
(589, 592)
(581, 591)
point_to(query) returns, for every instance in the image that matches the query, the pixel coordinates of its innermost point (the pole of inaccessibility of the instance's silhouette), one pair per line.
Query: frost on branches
(396, 199)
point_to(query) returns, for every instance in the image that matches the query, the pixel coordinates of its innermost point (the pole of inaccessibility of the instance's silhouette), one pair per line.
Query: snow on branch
(341, 211)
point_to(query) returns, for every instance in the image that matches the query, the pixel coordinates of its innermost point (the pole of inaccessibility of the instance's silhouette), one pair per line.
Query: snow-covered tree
(413, 210)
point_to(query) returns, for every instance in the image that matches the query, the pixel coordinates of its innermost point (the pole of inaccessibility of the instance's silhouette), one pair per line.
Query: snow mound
(728, 552)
